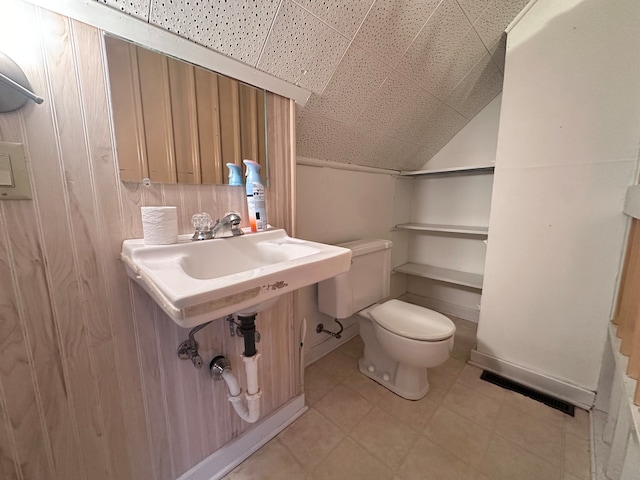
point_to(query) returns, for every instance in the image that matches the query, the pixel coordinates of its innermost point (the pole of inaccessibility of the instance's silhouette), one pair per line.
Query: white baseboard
(235, 452)
(455, 310)
(330, 344)
(580, 397)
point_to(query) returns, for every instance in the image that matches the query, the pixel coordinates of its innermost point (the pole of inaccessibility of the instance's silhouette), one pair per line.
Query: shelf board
(435, 227)
(473, 280)
(450, 171)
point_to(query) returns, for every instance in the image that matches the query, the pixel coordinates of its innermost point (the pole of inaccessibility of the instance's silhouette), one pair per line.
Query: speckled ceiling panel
(236, 28)
(391, 26)
(473, 8)
(497, 16)
(302, 49)
(136, 8)
(357, 78)
(343, 15)
(444, 51)
(477, 89)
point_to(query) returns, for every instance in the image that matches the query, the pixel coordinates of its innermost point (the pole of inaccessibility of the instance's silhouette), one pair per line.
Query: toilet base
(403, 380)
(411, 385)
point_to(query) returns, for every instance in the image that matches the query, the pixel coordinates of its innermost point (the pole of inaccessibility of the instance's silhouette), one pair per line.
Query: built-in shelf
(455, 170)
(466, 279)
(435, 227)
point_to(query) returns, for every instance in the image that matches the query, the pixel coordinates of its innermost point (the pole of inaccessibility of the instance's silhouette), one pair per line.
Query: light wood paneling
(230, 120)
(628, 306)
(209, 126)
(90, 386)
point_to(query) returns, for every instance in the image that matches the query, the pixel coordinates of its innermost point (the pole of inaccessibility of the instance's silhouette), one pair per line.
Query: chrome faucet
(227, 226)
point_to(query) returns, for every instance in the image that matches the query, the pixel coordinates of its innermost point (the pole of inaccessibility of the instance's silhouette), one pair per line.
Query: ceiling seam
(266, 38)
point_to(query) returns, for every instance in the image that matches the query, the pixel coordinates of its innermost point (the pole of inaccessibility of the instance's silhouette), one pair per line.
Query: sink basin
(195, 282)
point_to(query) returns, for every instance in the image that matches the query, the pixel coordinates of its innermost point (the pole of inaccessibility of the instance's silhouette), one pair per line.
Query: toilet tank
(366, 282)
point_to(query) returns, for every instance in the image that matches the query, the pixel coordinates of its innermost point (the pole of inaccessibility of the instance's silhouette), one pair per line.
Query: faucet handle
(201, 221)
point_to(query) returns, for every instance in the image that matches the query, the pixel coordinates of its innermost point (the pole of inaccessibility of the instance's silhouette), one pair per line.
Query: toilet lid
(413, 321)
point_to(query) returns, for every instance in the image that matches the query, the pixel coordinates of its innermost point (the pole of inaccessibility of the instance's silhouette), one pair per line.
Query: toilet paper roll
(160, 225)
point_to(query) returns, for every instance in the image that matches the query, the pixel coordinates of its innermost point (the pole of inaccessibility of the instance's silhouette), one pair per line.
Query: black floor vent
(548, 400)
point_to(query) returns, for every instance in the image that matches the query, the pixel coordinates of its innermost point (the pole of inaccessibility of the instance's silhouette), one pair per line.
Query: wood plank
(185, 121)
(630, 303)
(229, 120)
(108, 204)
(26, 439)
(153, 393)
(629, 259)
(156, 111)
(127, 109)
(71, 244)
(211, 165)
(248, 101)
(262, 131)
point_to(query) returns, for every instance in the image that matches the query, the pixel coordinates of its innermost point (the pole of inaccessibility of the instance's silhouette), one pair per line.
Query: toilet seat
(413, 321)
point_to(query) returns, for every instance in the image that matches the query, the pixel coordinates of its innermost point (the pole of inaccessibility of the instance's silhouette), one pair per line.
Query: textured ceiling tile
(473, 8)
(496, 18)
(393, 153)
(391, 25)
(343, 15)
(300, 43)
(477, 89)
(392, 108)
(358, 76)
(136, 8)
(444, 52)
(322, 138)
(237, 29)
(499, 52)
(440, 122)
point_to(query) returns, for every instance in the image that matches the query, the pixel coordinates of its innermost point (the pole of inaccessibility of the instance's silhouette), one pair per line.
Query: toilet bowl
(401, 340)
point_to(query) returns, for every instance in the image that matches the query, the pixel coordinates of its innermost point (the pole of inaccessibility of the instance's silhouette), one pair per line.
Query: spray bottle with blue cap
(256, 203)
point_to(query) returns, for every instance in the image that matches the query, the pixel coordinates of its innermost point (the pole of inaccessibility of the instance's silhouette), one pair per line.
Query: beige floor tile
(354, 348)
(507, 461)
(540, 438)
(439, 385)
(472, 405)
(413, 414)
(470, 377)
(317, 384)
(337, 364)
(542, 412)
(311, 438)
(344, 407)
(461, 437)
(349, 461)
(578, 425)
(577, 457)
(428, 461)
(384, 437)
(271, 462)
(366, 387)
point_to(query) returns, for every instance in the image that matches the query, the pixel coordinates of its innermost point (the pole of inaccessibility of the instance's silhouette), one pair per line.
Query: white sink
(195, 282)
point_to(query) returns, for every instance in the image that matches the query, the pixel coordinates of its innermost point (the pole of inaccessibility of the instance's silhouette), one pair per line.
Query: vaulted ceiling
(392, 80)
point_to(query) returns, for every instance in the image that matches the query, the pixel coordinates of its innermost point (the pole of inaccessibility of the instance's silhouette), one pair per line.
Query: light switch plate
(14, 176)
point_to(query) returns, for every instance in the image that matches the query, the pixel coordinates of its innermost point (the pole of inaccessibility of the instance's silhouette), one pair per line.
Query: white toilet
(401, 340)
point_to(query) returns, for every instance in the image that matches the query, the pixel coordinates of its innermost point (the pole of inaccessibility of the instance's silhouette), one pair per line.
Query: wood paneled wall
(90, 385)
(628, 307)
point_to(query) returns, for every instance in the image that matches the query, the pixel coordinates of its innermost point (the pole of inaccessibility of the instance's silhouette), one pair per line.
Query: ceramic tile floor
(464, 429)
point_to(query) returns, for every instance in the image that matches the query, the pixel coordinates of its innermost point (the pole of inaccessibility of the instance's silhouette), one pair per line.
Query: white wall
(335, 206)
(568, 149)
(475, 144)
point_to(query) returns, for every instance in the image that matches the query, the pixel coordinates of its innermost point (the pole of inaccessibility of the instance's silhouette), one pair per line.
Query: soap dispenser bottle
(256, 203)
